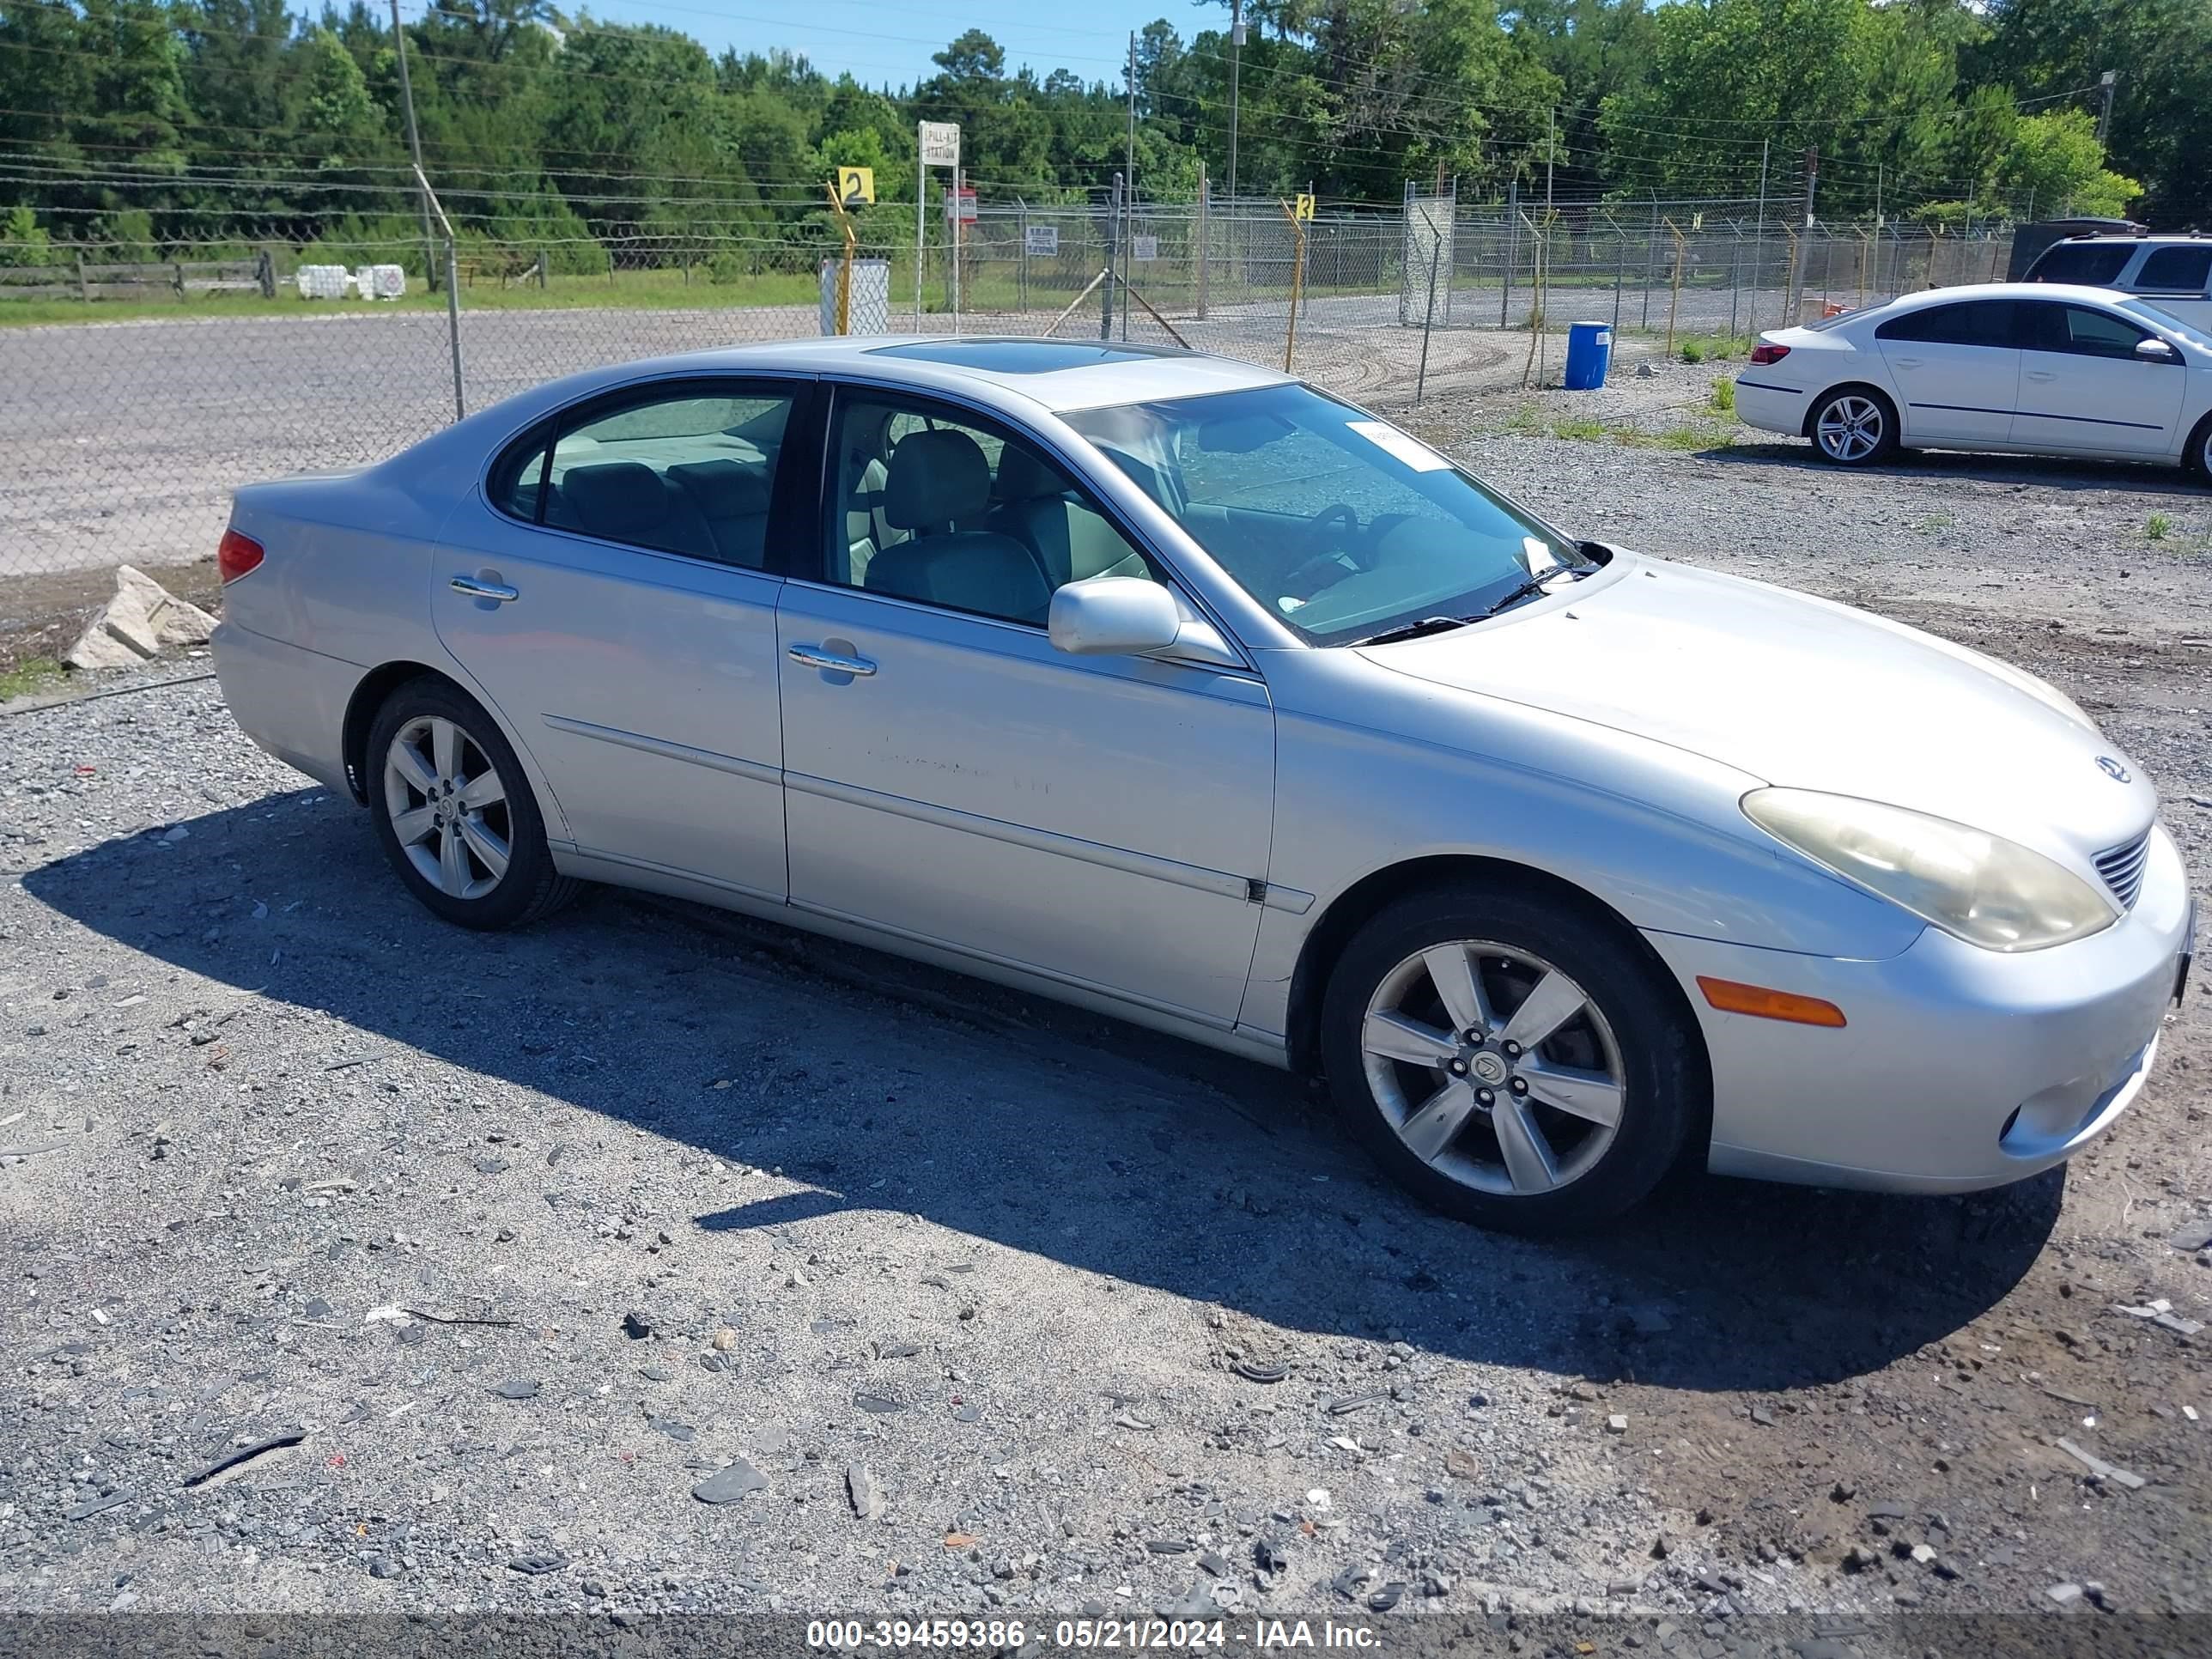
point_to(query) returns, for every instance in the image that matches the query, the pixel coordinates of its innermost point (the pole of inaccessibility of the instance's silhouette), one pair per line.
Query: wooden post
(83, 284)
(544, 274)
(265, 273)
(1675, 288)
(845, 265)
(1297, 281)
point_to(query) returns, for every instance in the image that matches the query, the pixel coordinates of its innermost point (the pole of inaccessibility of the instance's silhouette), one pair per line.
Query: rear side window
(1979, 323)
(686, 469)
(2176, 271)
(2093, 265)
(518, 479)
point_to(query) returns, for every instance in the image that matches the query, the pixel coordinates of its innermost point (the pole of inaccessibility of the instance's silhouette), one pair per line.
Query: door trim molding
(1217, 882)
(667, 750)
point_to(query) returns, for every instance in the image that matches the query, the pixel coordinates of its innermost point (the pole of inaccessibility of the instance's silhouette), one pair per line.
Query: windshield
(1340, 525)
(2165, 319)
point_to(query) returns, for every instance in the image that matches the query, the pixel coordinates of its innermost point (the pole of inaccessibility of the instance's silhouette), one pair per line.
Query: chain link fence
(146, 383)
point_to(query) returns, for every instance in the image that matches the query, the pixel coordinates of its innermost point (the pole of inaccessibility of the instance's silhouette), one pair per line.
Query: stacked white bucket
(335, 282)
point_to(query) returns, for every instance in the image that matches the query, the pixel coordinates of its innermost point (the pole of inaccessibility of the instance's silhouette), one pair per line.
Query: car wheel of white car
(1855, 426)
(454, 813)
(1514, 1063)
(2199, 453)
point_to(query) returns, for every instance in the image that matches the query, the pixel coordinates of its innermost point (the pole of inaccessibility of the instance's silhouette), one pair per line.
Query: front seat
(1037, 505)
(939, 481)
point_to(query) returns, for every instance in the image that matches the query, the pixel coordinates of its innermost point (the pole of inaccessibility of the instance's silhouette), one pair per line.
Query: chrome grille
(2122, 867)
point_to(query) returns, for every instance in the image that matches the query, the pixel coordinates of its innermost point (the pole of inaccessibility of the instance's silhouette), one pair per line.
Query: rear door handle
(476, 588)
(1908, 363)
(831, 662)
(2040, 374)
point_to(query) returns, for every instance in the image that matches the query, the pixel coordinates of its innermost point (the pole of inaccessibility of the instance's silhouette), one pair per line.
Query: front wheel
(1855, 426)
(1516, 1064)
(454, 812)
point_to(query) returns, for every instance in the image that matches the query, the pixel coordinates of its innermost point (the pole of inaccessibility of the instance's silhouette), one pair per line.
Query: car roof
(1938, 296)
(1056, 375)
(2130, 238)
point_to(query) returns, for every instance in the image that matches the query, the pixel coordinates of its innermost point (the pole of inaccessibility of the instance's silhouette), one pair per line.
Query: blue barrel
(1589, 354)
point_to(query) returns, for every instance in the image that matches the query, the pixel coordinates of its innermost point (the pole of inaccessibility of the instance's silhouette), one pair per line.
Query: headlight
(1987, 890)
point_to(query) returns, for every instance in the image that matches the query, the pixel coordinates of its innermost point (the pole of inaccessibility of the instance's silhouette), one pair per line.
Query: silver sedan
(1176, 688)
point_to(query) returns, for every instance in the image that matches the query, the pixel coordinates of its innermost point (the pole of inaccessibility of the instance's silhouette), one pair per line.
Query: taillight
(237, 555)
(1769, 354)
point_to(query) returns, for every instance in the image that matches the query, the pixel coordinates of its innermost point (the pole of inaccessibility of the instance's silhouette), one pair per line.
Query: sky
(881, 40)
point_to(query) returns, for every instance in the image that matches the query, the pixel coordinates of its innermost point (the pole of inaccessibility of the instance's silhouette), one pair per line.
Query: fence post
(265, 273)
(1429, 316)
(1512, 247)
(1106, 289)
(545, 272)
(1620, 266)
(177, 276)
(1650, 253)
(1021, 260)
(1736, 278)
(83, 283)
(1205, 225)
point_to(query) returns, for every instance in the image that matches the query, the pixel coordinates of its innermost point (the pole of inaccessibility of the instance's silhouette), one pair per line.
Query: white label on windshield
(1540, 557)
(1408, 449)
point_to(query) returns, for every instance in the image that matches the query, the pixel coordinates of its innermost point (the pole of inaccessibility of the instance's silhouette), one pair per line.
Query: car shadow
(1161, 1164)
(2050, 472)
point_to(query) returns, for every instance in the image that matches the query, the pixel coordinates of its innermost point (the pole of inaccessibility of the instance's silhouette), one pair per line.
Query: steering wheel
(1319, 542)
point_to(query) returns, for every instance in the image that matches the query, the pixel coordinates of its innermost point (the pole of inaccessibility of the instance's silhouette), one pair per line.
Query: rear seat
(628, 502)
(733, 501)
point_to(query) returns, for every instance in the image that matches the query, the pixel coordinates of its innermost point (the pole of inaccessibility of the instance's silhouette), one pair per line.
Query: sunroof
(1016, 356)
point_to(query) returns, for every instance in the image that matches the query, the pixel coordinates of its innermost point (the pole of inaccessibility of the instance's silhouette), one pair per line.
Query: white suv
(2173, 273)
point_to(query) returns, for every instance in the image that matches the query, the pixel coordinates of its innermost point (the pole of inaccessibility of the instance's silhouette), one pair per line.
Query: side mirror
(2154, 350)
(1114, 617)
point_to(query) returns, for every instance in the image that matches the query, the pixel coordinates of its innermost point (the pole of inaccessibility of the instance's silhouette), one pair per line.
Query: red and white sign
(960, 204)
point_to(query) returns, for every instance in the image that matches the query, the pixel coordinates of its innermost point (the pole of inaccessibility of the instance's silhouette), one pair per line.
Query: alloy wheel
(448, 807)
(1493, 1067)
(1849, 428)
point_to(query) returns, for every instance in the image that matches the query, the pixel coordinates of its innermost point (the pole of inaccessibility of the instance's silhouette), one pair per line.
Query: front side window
(1339, 524)
(2177, 270)
(2093, 265)
(686, 470)
(2079, 331)
(942, 507)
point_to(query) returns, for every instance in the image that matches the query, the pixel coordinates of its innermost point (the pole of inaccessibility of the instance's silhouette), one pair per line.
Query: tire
(1854, 426)
(445, 843)
(2198, 457)
(1627, 1034)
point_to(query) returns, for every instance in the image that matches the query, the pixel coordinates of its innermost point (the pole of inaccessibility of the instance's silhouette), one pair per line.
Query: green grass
(1583, 431)
(1722, 402)
(1712, 348)
(2158, 528)
(32, 675)
(1691, 437)
(1934, 522)
(1524, 422)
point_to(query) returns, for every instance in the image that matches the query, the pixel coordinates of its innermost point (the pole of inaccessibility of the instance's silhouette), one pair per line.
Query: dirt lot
(729, 1199)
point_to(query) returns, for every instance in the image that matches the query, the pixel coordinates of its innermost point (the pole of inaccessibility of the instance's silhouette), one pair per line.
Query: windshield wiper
(1528, 589)
(1420, 629)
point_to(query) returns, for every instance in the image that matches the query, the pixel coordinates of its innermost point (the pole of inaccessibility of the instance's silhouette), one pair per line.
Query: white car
(2031, 368)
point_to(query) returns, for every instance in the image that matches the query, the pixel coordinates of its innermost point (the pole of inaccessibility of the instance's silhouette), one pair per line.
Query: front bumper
(1960, 1068)
(1770, 406)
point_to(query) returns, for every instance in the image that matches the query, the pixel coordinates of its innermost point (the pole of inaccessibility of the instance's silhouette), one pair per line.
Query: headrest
(936, 478)
(615, 498)
(1024, 478)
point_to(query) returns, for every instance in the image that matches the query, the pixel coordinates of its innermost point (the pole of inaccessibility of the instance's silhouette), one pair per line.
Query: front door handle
(476, 588)
(831, 662)
(2040, 374)
(1907, 362)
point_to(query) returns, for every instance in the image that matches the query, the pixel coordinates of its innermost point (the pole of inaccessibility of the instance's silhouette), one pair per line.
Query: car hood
(1802, 692)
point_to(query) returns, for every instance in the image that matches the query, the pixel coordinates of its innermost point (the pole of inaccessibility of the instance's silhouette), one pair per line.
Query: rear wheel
(1855, 426)
(1516, 1064)
(454, 812)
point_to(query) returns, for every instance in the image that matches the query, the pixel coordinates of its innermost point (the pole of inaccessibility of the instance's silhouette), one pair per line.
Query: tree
(2055, 161)
(21, 241)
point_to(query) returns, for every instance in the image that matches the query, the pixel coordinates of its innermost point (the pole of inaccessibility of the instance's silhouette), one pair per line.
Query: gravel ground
(516, 1252)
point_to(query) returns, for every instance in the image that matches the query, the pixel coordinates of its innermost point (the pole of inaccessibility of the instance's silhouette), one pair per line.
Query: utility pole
(1812, 182)
(1812, 179)
(415, 144)
(1235, 61)
(2105, 119)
